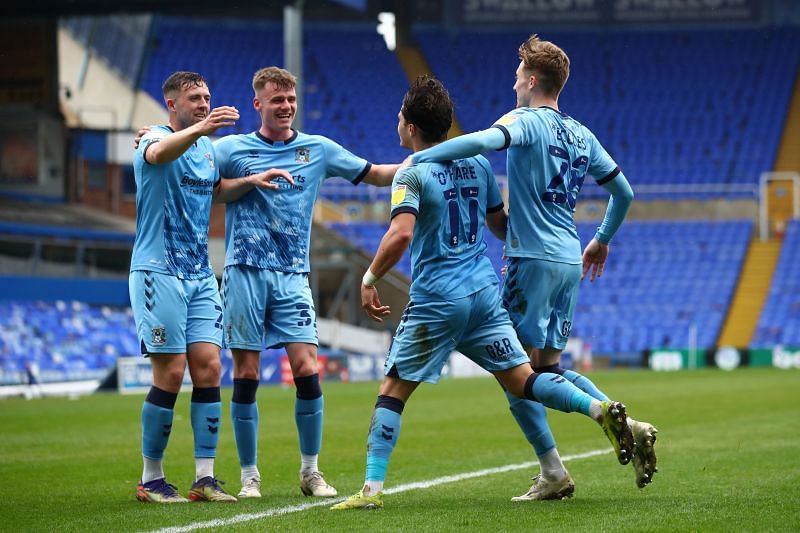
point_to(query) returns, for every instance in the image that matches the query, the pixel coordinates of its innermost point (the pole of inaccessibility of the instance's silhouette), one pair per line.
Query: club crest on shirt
(159, 336)
(302, 155)
(398, 194)
(210, 159)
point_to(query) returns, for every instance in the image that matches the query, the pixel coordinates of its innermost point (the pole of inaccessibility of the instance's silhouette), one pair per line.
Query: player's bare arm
(230, 190)
(391, 249)
(497, 222)
(381, 175)
(174, 145)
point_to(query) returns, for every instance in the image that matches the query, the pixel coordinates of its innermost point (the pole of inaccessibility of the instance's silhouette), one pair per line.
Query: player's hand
(139, 134)
(594, 258)
(219, 117)
(407, 162)
(371, 304)
(265, 180)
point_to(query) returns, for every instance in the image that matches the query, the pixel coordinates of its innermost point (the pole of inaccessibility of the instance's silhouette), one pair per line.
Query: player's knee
(247, 372)
(246, 364)
(208, 374)
(171, 378)
(213, 371)
(303, 363)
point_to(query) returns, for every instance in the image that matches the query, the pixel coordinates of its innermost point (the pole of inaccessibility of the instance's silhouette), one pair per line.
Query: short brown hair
(177, 81)
(548, 61)
(279, 76)
(428, 106)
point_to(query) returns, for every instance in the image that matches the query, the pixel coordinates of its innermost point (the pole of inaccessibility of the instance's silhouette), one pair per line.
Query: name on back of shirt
(455, 173)
(565, 135)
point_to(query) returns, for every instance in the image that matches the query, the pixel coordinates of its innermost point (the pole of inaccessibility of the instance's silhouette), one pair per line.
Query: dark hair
(180, 80)
(427, 105)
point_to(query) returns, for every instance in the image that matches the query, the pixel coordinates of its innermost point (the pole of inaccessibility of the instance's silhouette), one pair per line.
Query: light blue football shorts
(429, 331)
(171, 313)
(267, 308)
(540, 297)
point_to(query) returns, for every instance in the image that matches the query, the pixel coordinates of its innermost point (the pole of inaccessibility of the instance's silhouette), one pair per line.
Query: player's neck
(417, 145)
(276, 135)
(539, 100)
(174, 124)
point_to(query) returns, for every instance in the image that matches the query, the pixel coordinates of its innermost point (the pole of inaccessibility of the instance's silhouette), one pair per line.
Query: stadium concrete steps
(751, 293)
(414, 64)
(788, 158)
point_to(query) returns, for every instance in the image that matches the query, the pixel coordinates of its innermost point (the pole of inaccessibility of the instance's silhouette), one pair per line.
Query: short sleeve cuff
(404, 209)
(362, 174)
(506, 134)
(613, 174)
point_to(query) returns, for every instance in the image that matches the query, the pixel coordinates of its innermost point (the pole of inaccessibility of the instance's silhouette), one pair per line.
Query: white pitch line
(221, 522)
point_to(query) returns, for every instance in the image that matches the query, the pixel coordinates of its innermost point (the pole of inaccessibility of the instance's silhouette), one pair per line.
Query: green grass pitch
(729, 460)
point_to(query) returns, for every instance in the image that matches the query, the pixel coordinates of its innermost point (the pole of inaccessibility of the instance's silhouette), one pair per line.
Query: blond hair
(548, 61)
(282, 78)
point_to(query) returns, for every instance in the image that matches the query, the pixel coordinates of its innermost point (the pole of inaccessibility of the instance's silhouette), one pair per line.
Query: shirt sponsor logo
(398, 194)
(199, 186)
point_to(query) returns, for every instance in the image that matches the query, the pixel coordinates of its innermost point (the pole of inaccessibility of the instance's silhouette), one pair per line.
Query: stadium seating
(779, 323)
(664, 282)
(668, 105)
(70, 341)
(645, 95)
(353, 84)
(66, 341)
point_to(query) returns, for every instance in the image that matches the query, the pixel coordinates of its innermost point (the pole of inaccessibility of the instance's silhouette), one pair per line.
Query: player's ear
(256, 103)
(171, 104)
(532, 81)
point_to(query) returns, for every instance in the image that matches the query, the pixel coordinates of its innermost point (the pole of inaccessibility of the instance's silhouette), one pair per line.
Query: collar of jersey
(271, 142)
(553, 109)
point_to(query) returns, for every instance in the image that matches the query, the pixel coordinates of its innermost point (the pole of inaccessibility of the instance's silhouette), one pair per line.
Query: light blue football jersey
(450, 201)
(549, 156)
(272, 229)
(173, 206)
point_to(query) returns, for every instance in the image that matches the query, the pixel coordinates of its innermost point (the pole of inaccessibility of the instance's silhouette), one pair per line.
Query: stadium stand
(120, 40)
(673, 104)
(63, 341)
(663, 279)
(659, 121)
(344, 98)
(66, 341)
(779, 323)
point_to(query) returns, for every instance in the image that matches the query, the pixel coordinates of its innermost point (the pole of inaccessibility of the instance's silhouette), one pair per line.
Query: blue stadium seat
(779, 323)
(662, 280)
(661, 102)
(66, 340)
